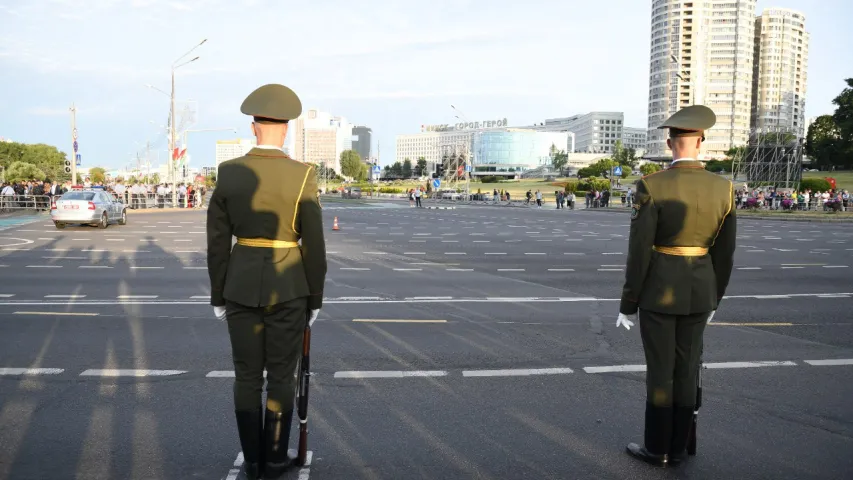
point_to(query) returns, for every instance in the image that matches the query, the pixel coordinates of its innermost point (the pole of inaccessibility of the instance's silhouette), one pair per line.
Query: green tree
(843, 117)
(45, 157)
(97, 175)
(396, 169)
(210, 180)
(407, 168)
(649, 168)
(559, 159)
(627, 157)
(350, 163)
(600, 169)
(824, 143)
(421, 167)
(23, 172)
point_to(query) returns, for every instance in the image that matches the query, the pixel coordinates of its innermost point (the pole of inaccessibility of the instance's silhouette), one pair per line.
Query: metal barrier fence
(11, 203)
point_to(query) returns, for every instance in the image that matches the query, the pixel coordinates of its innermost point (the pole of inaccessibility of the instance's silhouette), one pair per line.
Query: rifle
(691, 439)
(302, 394)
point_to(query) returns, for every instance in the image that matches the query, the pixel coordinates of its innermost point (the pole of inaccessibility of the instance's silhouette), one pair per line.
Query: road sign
(74, 135)
(79, 159)
(377, 169)
(467, 168)
(617, 171)
(75, 146)
(436, 183)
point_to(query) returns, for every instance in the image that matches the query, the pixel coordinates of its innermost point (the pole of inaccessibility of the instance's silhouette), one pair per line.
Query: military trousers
(266, 338)
(673, 348)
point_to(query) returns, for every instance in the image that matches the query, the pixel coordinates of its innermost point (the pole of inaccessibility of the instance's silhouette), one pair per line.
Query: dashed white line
(414, 253)
(94, 266)
(835, 266)
(511, 270)
(136, 296)
(65, 296)
(130, 373)
(146, 268)
(408, 269)
(459, 269)
(615, 368)
(516, 372)
(561, 269)
(455, 253)
(495, 253)
(354, 268)
(220, 374)
(200, 297)
(44, 266)
(832, 362)
(7, 295)
(534, 253)
(749, 268)
(391, 374)
(750, 364)
(31, 371)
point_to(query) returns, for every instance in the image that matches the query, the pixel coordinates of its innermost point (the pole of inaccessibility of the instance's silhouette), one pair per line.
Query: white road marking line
(482, 241)
(44, 266)
(31, 371)
(147, 268)
(72, 314)
(768, 297)
(750, 364)
(572, 253)
(381, 320)
(835, 266)
(832, 362)
(417, 241)
(66, 258)
(613, 253)
(459, 269)
(115, 239)
(450, 241)
(201, 297)
(610, 269)
(391, 374)
(516, 372)
(429, 298)
(93, 250)
(455, 253)
(7, 295)
(749, 268)
(615, 368)
(361, 298)
(136, 296)
(792, 268)
(535, 253)
(65, 296)
(220, 374)
(182, 240)
(511, 270)
(561, 269)
(130, 373)
(375, 253)
(354, 268)
(408, 269)
(94, 266)
(495, 253)
(195, 268)
(754, 251)
(414, 253)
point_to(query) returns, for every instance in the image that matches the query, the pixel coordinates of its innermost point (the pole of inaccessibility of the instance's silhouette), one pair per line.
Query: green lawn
(842, 179)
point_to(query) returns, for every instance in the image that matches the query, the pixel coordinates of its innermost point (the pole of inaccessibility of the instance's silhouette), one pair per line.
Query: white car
(93, 207)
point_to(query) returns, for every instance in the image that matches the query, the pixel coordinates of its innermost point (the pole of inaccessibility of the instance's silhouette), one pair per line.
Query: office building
(361, 138)
(595, 132)
(634, 138)
(435, 140)
(702, 53)
(320, 137)
(208, 171)
(228, 149)
(779, 75)
(513, 151)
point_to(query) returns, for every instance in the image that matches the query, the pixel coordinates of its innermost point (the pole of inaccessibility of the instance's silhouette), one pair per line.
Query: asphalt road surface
(470, 343)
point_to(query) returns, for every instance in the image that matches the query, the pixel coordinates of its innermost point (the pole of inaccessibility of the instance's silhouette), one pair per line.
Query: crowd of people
(771, 199)
(39, 194)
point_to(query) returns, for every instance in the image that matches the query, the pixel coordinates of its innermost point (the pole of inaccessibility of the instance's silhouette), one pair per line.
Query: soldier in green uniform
(266, 284)
(680, 258)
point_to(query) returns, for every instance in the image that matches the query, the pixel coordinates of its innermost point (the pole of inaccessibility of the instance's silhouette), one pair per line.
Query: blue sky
(388, 64)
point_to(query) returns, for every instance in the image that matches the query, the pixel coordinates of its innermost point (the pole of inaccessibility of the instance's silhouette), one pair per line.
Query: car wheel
(104, 221)
(123, 220)
(59, 225)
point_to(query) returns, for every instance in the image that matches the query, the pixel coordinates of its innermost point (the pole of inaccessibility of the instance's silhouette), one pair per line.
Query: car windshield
(78, 196)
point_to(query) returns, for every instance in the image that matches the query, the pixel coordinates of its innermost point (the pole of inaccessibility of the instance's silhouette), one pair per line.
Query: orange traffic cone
(335, 226)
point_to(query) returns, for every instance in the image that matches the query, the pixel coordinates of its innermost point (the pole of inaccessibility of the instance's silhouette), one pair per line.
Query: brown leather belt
(682, 251)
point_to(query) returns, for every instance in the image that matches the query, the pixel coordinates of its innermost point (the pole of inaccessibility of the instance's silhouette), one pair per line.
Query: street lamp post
(172, 140)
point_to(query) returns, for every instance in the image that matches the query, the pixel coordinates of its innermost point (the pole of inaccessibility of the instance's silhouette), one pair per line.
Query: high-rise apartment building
(702, 52)
(594, 132)
(361, 138)
(634, 138)
(228, 149)
(779, 75)
(320, 137)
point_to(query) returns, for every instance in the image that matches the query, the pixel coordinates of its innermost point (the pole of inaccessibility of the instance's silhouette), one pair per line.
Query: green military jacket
(682, 206)
(265, 195)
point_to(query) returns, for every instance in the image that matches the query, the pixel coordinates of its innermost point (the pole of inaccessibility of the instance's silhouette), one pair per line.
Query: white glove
(623, 320)
(219, 312)
(313, 316)
(711, 316)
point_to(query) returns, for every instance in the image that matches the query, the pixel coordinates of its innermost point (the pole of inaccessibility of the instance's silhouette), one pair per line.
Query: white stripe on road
(750, 364)
(459, 269)
(94, 266)
(73, 314)
(561, 269)
(201, 297)
(44, 266)
(408, 269)
(749, 268)
(221, 374)
(195, 268)
(31, 371)
(7, 295)
(615, 368)
(136, 296)
(511, 270)
(353, 268)
(130, 373)
(66, 258)
(495, 253)
(837, 361)
(391, 374)
(65, 296)
(146, 268)
(835, 266)
(516, 372)
(429, 298)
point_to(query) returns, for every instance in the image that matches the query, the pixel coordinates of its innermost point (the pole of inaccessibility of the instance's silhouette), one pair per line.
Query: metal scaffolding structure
(454, 157)
(774, 156)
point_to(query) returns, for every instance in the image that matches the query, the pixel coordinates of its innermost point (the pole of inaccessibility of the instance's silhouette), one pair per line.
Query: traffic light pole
(73, 155)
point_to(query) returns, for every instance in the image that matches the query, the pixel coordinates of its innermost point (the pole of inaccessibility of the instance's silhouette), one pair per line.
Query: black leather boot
(276, 439)
(249, 424)
(682, 422)
(657, 437)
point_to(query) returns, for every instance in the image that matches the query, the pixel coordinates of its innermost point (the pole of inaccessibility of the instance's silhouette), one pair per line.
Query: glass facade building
(508, 152)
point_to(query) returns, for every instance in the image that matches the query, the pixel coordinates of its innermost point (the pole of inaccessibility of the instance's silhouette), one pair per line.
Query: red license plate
(70, 207)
